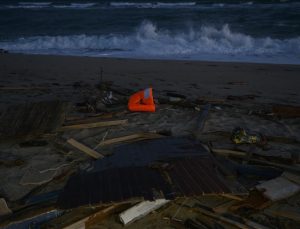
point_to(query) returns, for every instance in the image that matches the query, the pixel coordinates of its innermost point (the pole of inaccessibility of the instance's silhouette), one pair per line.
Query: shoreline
(270, 83)
(147, 59)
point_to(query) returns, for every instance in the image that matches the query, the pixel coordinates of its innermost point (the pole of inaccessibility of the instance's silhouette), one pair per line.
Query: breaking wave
(153, 4)
(76, 6)
(148, 41)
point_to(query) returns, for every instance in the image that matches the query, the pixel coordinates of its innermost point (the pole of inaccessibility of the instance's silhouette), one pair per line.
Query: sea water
(219, 30)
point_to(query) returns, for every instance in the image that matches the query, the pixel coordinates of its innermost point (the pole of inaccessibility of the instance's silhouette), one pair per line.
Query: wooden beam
(84, 148)
(129, 138)
(94, 125)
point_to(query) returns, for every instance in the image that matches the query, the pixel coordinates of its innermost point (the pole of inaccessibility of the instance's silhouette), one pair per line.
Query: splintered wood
(132, 137)
(85, 149)
(94, 125)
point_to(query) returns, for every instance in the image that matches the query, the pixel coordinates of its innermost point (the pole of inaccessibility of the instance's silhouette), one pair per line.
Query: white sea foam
(150, 42)
(152, 4)
(76, 5)
(29, 5)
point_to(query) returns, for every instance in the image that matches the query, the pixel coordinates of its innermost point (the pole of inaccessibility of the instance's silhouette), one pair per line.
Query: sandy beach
(57, 74)
(239, 94)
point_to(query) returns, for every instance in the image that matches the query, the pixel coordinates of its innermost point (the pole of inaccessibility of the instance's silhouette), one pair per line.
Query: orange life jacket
(142, 101)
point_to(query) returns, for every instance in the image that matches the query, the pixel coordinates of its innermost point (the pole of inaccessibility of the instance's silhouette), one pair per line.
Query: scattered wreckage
(199, 175)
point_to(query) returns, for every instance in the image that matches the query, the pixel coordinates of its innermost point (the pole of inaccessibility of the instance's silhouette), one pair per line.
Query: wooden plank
(84, 148)
(246, 225)
(87, 120)
(226, 152)
(90, 220)
(129, 138)
(224, 207)
(94, 125)
(284, 210)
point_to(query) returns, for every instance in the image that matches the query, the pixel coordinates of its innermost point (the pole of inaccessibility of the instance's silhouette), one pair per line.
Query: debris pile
(202, 163)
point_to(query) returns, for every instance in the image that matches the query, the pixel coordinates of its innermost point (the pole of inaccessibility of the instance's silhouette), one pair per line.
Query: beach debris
(32, 120)
(4, 209)
(88, 221)
(241, 136)
(129, 138)
(195, 224)
(242, 223)
(133, 172)
(284, 210)
(142, 101)
(285, 111)
(209, 100)
(85, 149)
(31, 221)
(202, 117)
(47, 197)
(255, 200)
(278, 188)
(34, 176)
(90, 119)
(94, 125)
(11, 163)
(175, 97)
(241, 97)
(140, 210)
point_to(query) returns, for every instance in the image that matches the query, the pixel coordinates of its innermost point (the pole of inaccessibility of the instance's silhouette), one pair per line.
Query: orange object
(142, 101)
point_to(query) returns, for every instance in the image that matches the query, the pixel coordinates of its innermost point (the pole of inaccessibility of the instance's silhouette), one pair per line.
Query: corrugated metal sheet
(126, 174)
(143, 153)
(196, 176)
(113, 185)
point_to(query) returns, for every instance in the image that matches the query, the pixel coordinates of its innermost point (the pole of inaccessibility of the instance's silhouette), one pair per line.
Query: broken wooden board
(94, 125)
(127, 138)
(85, 149)
(80, 120)
(227, 152)
(31, 120)
(83, 218)
(284, 210)
(244, 225)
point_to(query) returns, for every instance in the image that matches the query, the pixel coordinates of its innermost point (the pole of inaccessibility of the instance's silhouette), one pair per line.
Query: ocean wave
(29, 5)
(152, 4)
(76, 5)
(148, 41)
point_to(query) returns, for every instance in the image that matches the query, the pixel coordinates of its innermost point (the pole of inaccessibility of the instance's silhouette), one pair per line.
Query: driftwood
(85, 149)
(245, 225)
(94, 125)
(132, 137)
